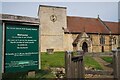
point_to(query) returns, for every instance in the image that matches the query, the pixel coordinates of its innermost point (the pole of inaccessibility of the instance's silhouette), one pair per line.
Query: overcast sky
(107, 11)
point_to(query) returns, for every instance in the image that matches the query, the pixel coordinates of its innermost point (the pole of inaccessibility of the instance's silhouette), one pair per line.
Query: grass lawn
(90, 62)
(52, 60)
(57, 60)
(107, 59)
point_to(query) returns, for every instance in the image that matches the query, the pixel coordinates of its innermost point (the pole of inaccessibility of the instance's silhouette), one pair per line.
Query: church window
(114, 39)
(102, 40)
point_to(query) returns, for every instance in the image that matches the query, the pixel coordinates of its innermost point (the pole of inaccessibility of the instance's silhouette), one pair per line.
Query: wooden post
(68, 56)
(116, 64)
(81, 68)
(72, 69)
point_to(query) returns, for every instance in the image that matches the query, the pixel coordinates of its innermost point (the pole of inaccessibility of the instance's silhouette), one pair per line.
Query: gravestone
(50, 51)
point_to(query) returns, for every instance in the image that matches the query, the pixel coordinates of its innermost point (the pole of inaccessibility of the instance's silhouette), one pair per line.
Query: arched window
(114, 40)
(102, 39)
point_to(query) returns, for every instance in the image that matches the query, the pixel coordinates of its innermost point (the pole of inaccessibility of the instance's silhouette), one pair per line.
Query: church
(61, 32)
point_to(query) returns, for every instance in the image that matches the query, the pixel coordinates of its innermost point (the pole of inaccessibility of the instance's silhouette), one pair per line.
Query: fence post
(116, 64)
(81, 68)
(81, 65)
(68, 63)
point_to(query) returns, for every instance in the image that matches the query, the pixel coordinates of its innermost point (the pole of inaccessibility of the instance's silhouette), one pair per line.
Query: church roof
(114, 27)
(90, 25)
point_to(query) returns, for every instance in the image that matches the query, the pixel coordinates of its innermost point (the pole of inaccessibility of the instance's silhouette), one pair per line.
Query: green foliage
(90, 62)
(107, 59)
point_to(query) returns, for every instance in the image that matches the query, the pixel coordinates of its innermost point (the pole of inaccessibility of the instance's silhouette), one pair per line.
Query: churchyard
(53, 66)
(25, 43)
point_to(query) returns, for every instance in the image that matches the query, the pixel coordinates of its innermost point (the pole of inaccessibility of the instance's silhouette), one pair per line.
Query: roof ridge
(82, 17)
(104, 25)
(110, 22)
(91, 18)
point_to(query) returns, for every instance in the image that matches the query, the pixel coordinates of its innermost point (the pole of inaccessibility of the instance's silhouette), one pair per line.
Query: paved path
(103, 64)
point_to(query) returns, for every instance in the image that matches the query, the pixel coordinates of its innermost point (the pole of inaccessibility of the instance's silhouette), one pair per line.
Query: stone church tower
(53, 21)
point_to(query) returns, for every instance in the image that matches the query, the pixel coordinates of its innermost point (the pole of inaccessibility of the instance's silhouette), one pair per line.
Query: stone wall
(107, 46)
(68, 40)
(95, 39)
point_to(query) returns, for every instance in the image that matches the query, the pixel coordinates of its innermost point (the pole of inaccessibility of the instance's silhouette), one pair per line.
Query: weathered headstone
(50, 51)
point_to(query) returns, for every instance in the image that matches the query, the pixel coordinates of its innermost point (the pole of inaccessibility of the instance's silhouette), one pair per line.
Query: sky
(108, 11)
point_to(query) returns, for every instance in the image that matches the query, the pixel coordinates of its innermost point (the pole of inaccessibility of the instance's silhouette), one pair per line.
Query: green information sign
(21, 48)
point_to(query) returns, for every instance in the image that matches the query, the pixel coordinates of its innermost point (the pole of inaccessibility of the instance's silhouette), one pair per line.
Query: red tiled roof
(113, 26)
(89, 25)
